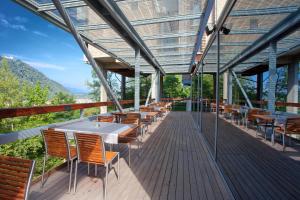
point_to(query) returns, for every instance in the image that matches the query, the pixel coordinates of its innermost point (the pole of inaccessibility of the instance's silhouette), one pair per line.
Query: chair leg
(129, 147)
(75, 176)
(283, 142)
(70, 179)
(88, 168)
(43, 173)
(95, 169)
(68, 165)
(118, 166)
(106, 177)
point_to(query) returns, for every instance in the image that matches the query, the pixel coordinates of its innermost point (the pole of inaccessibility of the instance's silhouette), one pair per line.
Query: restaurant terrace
(218, 147)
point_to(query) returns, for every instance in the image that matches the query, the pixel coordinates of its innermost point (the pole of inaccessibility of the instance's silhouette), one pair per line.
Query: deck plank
(173, 164)
(252, 168)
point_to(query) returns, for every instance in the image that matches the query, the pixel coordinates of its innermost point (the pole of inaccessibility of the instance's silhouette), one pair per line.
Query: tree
(95, 84)
(173, 87)
(10, 88)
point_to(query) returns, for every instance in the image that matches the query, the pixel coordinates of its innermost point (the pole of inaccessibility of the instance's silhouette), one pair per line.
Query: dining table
(272, 120)
(109, 131)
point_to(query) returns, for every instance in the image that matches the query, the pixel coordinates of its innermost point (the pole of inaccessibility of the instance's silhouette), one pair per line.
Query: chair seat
(110, 155)
(281, 130)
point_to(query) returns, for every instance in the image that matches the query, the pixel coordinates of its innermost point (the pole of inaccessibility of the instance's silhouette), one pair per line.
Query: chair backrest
(15, 177)
(106, 118)
(228, 108)
(56, 143)
(251, 112)
(146, 109)
(130, 121)
(293, 125)
(136, 116)
(90, 148)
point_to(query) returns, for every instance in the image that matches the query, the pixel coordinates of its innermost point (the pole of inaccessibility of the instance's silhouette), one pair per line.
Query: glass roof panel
(248, 21)
(166, 23)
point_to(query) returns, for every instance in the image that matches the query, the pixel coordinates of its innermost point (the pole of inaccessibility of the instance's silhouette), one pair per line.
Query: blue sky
(51, 50)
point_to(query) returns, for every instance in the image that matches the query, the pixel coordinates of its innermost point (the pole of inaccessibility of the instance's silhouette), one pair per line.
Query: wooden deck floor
(173, 164)
(253, 169)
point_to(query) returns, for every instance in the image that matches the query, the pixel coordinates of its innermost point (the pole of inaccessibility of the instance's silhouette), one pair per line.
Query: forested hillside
(25, 72)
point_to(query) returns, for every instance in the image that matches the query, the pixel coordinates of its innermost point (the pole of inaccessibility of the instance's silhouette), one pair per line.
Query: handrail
(36, 110)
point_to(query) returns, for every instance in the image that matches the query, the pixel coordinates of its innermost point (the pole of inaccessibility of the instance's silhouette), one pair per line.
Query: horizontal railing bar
(28, 111)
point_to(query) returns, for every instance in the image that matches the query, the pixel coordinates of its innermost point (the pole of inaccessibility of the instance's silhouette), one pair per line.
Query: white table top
(109, 131)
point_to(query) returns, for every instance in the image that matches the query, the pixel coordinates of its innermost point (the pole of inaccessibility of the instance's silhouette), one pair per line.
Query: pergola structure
(162, 37)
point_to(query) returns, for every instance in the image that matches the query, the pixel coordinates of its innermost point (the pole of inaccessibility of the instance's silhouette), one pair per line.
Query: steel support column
(191, 93)
(217, 97)
(137, 80)
(123, 87)
(201, 94)
(156, 86)
(272, 76)
(242, 89)
(293, 85)
(150, 90)
(103, 94)
(198, 98)
(89, 57)
(259, 86)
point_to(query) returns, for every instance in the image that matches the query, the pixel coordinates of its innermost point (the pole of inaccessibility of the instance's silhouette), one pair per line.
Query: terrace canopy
(165, 32)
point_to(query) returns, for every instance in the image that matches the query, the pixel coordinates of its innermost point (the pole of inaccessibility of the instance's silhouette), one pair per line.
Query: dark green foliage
(19, 93)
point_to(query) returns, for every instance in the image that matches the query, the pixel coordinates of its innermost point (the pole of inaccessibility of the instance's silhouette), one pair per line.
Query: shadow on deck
(173, 164)
(252, 167)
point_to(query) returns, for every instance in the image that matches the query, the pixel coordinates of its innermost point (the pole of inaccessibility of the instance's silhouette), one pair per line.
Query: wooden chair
(57, 145)
(291, 127)
(91, 149)
(249, 116)
(146, 109)
(110, 119)
(228, 111)
(15, 177)
(130, 137)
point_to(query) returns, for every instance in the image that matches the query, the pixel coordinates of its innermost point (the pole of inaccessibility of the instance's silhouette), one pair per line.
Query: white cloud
(20, 19)
(4, 22)
(40, 33)
(42, 65)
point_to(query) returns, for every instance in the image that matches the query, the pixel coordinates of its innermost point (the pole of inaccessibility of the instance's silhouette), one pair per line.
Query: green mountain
(27, 73)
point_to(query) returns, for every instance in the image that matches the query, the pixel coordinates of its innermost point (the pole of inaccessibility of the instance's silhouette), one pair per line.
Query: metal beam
(54, 19)
(66, 4)
(156, 47)
(222, 18)
(89, 57)
(161, 55)
(203, 21)
(242, 89)
(287, 26)
(248, 31)
(137, 80)
(149, 37)
(143, 22)
(112, 14)
(263, 11)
